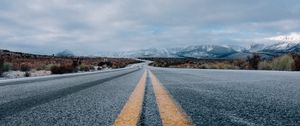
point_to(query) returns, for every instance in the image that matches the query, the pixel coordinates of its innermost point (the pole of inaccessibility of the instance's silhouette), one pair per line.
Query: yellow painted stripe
(170, 113)
(131, 112)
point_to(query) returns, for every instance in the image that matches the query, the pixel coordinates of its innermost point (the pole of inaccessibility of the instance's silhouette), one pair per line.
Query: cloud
(91, 26)
(292, 37)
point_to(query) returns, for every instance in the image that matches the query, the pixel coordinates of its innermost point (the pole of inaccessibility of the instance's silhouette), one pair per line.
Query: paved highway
(142, 95)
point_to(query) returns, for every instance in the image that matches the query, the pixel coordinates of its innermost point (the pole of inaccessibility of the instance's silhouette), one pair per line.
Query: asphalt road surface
(141, 95)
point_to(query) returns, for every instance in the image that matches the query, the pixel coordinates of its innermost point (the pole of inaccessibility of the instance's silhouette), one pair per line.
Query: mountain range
(216, 51)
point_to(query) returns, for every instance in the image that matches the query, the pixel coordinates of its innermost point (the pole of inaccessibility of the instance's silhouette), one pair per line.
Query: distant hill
(65, 53)
(8, 53)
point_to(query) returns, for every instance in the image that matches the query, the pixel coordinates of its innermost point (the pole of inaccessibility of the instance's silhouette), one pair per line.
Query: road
(143, 95)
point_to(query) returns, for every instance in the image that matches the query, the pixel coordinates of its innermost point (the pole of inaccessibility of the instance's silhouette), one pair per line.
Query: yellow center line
(131, 112)
(170, 113)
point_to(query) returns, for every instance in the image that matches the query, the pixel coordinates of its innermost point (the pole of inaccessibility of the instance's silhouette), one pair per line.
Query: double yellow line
(131, 112)
(170, 113)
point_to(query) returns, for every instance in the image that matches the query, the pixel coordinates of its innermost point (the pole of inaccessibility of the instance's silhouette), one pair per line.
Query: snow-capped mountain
(236, 48)
(197, 51)
(283, 47)
(206, 51)
(256, 47)
(217, 51)
(153, 52)
(283, 43)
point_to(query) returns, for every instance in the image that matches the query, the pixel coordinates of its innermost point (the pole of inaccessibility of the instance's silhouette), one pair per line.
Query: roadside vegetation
(1, 66)
(287, 62)
(14, 64)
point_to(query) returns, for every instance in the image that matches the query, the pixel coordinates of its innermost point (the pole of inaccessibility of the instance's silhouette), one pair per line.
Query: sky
(91, 27)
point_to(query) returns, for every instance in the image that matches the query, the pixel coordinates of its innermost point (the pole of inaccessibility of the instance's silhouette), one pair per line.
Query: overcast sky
(91, 26)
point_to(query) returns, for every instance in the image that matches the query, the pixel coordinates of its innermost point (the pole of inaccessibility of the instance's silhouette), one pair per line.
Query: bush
(25, 67)
(1, 66)
(55, 69)
(296, 58)
(93, 68)
(67, 69)
(213, 67)
(84, 68)
(39, 68)
(62, 69)
(225, 66)
(204, 66)
(49, 67)
(7, 67)
(284, 62)
(105, 64)
(75, 65)
(27, 74)
(253, 61)
(240, 64)
(265, 65)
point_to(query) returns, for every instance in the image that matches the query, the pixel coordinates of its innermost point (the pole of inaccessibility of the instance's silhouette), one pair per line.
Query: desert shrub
(204, 66)
(213, 66)
(7, 67)
(1, 66)
(92, 68)
(219, 65)
(229, 66)
(40, 68)
(67, 68)
(285, 62)
(25, 67)
(56, 69)
(76, 64)
(265, 65)
(224, 66)
(105, 64)
(27, 74)
(49, 66)
(240, 64)
(84, 68)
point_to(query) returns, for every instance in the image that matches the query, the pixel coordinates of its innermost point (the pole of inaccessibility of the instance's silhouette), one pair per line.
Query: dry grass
(283, 63)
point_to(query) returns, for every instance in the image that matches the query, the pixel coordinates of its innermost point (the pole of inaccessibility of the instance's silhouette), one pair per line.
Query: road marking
(131, 112)
(170, 113)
